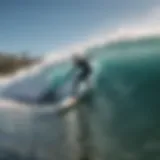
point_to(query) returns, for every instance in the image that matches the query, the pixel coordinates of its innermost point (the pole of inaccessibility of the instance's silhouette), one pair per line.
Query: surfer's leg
(83, 77)
(75, 85)
(87, 79)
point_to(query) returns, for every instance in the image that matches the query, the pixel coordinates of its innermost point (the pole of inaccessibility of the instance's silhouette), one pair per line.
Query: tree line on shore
(10, 63)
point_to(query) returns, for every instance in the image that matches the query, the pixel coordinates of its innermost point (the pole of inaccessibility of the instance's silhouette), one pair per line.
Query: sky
(39, 26)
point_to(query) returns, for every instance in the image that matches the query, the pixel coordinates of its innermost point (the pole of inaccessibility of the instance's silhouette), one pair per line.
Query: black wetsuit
(85, 68)
(85, 71)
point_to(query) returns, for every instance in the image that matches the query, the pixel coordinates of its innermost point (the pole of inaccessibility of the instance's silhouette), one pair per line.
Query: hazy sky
(39, 26)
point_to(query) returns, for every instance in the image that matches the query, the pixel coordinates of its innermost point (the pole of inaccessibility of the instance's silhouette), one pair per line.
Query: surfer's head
(77, 56)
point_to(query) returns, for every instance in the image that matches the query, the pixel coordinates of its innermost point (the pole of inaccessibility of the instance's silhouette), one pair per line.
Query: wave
(120, 116)
(50, 84)
(121, 34)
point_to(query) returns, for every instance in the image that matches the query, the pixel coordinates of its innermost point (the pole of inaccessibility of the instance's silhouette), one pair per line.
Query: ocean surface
(117, 120)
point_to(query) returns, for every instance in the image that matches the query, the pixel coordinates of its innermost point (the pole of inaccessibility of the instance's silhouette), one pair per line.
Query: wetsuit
(85, 71)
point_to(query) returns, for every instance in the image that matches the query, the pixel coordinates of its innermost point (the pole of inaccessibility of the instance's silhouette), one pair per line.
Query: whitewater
(120, 115)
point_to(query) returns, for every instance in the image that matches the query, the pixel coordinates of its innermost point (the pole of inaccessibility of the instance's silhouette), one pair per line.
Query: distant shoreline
(11, 63)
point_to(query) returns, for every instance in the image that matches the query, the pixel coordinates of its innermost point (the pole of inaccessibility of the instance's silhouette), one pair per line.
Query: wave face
(37, 88)
(120, 116)
(126, 116)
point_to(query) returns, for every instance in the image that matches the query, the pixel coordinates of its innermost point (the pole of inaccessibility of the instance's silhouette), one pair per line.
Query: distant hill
(10, 63)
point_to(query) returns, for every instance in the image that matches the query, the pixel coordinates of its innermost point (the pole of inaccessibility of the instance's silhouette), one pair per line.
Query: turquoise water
(120, 118)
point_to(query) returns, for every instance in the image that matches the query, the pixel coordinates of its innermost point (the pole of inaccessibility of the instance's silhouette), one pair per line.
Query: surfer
(83, 67)
(81, 63)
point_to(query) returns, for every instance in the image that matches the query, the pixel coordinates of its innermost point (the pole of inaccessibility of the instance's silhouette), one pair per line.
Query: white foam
(148, 26)
(6, 103)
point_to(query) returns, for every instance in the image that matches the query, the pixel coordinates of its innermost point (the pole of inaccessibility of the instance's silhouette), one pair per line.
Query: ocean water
(118, 120)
